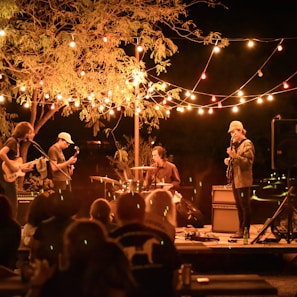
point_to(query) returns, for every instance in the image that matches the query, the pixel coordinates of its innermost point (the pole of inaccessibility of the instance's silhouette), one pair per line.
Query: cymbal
(143, 168)
(104, 179)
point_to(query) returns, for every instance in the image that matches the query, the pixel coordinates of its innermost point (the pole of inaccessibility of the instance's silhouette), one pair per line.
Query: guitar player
(61, 169)
(241, 158)
(10, 151)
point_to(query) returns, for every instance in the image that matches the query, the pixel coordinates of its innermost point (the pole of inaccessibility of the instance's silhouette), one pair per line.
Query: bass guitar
(11, 176)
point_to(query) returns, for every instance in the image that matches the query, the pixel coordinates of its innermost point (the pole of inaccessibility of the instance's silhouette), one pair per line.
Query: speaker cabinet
(24, 202)
(222, 194)
(283, 144)
(224, 218)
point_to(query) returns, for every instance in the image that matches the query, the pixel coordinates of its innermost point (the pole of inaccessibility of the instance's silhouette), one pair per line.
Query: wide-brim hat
(236, 125)
(65, 136)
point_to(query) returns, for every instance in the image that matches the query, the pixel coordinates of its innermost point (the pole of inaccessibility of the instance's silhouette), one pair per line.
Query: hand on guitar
(72, 160)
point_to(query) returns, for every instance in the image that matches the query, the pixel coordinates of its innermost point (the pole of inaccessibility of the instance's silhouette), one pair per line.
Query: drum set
(131, 185)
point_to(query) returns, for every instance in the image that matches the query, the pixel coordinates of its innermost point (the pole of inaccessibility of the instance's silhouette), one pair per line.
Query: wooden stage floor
(236, 257)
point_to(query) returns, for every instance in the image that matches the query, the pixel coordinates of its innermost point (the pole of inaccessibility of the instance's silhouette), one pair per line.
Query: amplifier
(24, 202)
(224, 218)
(222, 194)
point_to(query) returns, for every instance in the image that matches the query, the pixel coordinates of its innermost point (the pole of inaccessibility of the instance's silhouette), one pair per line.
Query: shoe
(237, 235)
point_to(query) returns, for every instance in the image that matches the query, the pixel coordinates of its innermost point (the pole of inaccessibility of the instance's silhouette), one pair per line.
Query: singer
(61, 168)
(240, 167)
(165, 175)
(9, 156)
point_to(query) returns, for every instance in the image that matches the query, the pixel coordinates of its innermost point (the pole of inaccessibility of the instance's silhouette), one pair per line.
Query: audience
(38, 212)
(161, 212)
(92, 266)
(101, 210)
(152, 255)
(10, 234)
(47, 239)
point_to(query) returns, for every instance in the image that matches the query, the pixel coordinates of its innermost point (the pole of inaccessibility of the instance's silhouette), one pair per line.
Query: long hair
(21, 129)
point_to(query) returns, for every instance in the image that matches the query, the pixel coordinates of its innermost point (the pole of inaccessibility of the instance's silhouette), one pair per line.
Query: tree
(92, 56)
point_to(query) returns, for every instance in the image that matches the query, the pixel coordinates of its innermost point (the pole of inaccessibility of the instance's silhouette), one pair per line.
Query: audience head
(130, 208)
(160, 203)
(5, 209)
(63, 204)
(82, 240)
(39, 210)
(100, 210)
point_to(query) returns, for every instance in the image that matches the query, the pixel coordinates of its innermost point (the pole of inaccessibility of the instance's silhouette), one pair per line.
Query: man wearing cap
(61, 168)
(240, 166)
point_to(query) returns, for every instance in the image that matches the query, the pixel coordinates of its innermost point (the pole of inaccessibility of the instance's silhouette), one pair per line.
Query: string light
(217, 100)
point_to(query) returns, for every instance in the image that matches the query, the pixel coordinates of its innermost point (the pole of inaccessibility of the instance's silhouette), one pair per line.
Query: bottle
(245, 235)
(186, 272)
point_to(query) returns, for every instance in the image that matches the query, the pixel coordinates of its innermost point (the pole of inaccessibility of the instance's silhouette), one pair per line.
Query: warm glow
(72, 44)
(2, 33)
(203, 76)
(216, 49)
(201, 110)
(1, 98)
(251, 43)
(240, 93)
(260, 73)
(270, 98)
(279, 47)
(235, 109)
(139, 48)
(285, 85)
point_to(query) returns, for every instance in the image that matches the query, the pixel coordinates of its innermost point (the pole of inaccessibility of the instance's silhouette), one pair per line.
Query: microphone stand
(40, 149)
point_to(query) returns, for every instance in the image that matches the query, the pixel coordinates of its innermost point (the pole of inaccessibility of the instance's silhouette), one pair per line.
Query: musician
(240, 161)
(11, 163)
(165, 172)
(61, 169)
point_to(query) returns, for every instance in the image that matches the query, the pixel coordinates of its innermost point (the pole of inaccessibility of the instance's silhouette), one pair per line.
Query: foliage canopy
(83, 56)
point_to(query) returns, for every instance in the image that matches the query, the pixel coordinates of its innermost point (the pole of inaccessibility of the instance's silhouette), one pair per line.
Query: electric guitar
(11, 176)
(75, 155)
(229, 171)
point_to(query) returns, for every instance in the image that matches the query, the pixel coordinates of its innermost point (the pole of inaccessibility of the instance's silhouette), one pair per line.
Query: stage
(212, 252)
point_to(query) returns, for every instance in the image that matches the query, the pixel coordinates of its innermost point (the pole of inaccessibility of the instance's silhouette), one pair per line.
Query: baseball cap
(236, 125)
(65, 136)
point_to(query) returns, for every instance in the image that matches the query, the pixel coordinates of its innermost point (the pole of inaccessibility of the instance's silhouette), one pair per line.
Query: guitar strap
(18, 149)
(238, 144)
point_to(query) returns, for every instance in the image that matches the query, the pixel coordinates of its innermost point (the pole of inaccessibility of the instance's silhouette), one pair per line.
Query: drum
(133, 186)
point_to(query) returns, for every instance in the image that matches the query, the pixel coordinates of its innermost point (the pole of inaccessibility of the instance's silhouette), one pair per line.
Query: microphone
(33, 142)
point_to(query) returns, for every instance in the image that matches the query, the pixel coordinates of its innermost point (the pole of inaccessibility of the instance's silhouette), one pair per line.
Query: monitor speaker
(283, 144)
